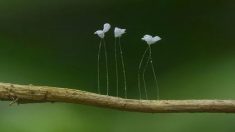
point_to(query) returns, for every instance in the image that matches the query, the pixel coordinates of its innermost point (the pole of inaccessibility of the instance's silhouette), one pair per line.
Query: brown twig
(39, 94)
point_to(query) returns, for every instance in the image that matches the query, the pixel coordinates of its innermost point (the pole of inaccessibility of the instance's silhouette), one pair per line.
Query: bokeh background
(52, 43)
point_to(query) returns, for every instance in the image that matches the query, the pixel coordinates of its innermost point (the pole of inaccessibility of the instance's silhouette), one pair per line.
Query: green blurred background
(52, 43)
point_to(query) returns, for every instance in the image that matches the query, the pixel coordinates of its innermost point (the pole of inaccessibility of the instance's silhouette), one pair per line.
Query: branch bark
(39, 94)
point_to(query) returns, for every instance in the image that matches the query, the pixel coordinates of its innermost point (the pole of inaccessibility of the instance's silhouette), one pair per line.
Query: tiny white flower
(106, 27)
(100, 33)
(150, 39)
(118, 32)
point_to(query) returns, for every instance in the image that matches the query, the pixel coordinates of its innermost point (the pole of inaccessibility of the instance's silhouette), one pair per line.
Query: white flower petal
(100, 33)
(147, 36)
(106, 28)
(156, 38)
(118, 32)
(151, 40)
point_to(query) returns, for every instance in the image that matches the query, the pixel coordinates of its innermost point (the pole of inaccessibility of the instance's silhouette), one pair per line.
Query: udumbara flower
(118, 32)
(150, 39)
(101, 33)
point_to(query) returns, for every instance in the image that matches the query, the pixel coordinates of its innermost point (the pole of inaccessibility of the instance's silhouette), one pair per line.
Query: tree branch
(39, 94)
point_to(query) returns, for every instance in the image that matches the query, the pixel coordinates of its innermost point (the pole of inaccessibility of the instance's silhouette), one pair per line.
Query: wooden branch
(38, 94)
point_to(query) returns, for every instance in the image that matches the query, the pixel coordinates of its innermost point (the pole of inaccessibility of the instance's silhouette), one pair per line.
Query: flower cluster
(118, 32)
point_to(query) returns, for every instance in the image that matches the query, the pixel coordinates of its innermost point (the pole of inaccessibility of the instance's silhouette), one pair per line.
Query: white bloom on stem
(118, 32)
(150, 39)
(101, 33)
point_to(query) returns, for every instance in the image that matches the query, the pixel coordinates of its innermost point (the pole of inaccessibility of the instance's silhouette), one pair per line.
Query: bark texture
(40, 94)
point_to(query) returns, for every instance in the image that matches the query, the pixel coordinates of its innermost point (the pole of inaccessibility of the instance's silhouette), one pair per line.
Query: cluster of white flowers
(118, 32)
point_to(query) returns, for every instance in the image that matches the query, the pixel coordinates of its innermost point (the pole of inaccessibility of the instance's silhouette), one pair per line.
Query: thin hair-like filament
(116, 65)
(143, 75)
(98, 66)
(107, 68)
(154, 73)
(139, 68)
(123, 67)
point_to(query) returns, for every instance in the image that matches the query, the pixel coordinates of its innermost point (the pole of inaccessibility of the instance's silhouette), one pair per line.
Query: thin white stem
(98, 66)
(144, 70)
(139, 68)
(154, 73)
(123, 67)
(116, 64)
(107, 68)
